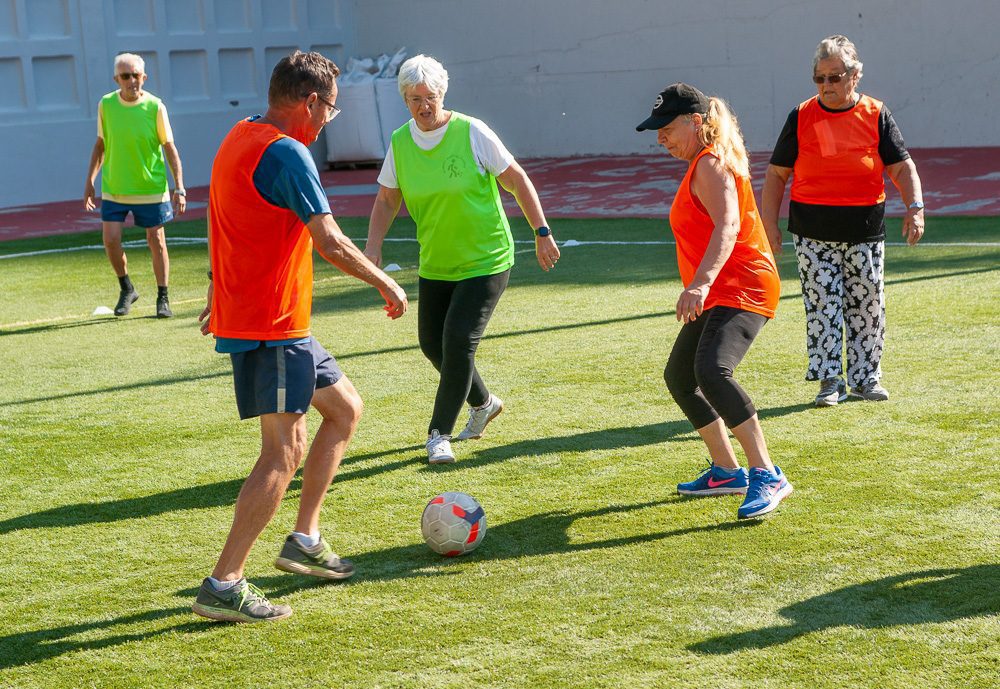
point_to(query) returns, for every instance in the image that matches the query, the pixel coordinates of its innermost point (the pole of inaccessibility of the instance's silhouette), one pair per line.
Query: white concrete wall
(209, 60)
(574, 77)
(553, 77)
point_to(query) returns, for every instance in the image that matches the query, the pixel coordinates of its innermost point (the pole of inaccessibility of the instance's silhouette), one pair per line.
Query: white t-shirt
(490, 153)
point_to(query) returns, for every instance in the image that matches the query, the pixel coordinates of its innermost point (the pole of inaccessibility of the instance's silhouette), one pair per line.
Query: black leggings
(451, 318)
(699, 372)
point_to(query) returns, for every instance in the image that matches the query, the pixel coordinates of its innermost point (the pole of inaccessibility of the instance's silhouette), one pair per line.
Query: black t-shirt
(849, 224)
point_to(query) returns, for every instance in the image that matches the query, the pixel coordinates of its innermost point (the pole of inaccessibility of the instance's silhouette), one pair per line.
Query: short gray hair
(423, 69)
(841, 47)
(122, 58)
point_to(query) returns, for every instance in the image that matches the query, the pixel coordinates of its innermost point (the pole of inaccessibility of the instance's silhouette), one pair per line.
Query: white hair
(840, 47)
(423, 69)
(131, 58)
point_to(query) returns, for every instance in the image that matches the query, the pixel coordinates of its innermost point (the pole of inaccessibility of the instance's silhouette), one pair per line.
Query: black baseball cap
(676, 99)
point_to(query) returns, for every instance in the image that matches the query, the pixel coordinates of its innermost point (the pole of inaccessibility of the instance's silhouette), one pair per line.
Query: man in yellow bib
(133, 138)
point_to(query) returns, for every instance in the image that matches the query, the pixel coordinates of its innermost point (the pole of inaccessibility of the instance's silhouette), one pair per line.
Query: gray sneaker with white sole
(318, 561)
(243, 602)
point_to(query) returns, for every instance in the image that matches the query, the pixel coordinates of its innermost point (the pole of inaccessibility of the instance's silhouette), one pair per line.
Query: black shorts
(282, 378)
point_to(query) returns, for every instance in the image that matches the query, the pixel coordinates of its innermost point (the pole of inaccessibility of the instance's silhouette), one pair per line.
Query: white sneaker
(479, 417)
(439, 449)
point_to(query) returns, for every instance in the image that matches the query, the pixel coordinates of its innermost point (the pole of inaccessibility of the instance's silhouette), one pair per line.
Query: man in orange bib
(267, 210)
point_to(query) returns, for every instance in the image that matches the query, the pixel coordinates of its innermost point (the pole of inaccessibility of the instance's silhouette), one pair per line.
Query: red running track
(956, 181)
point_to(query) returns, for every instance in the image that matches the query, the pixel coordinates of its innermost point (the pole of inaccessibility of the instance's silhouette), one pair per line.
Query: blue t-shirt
(286, 177)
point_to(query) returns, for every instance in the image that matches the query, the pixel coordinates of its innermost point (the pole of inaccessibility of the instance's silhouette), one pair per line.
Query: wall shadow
(40, 645)
(218, 494)
(928, 596)
(415, 348)
(31, 329)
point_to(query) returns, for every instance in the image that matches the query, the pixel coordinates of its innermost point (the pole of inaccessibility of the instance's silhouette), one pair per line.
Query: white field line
(200, 240)
(181, 241)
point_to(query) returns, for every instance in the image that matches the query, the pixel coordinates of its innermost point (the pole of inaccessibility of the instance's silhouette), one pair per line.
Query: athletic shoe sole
(462, 436)
(828, 402)
(771, 506)
(286, 565)
(226, 615)
(875, 398)
(710, 492)
(441, 460)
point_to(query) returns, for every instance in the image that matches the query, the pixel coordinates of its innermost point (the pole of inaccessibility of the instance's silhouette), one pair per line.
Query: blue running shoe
(766, 491)
(716, 481)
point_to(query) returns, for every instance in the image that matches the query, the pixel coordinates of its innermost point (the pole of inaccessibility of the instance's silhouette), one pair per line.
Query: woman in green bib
(445, 165)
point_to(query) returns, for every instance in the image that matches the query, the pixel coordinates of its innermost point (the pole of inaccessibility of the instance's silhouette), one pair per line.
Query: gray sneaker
(244, 602)
(873, 392)
(479, 417)
(318, 561)
(439, 449)
(831, 392)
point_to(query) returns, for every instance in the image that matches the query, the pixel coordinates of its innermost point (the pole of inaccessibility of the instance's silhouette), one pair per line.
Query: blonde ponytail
(721, 130)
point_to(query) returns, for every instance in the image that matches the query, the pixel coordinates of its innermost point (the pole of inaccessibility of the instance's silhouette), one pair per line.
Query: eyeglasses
(420, 100)
(830, 79)
(125, 76)
(334, 110)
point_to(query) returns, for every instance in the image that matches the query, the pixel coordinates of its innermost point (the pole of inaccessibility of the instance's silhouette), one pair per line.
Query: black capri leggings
(699, 372)
(451, 318)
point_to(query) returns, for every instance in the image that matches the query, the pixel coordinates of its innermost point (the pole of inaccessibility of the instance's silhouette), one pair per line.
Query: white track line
(181, 241)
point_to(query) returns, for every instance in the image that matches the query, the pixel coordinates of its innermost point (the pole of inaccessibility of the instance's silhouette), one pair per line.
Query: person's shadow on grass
(928, 596)
(536, 535)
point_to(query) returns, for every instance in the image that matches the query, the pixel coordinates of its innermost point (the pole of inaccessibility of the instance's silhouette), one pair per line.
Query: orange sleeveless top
(749, 279)
(261, 254)
(838, 162)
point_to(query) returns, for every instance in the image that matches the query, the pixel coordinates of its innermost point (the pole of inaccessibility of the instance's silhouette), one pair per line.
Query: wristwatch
(180, 192)
(916, 205)
(543, 231)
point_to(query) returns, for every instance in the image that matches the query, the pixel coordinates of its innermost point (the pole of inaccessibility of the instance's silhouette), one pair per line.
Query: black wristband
(543, 231)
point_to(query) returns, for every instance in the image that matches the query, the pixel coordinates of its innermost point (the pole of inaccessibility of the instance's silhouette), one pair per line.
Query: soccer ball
(453, 524)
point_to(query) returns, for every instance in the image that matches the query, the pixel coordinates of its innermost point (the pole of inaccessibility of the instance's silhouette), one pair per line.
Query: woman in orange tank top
(731, 289)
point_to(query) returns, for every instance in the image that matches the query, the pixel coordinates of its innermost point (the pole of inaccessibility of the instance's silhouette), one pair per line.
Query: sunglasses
(831, 79)
(130, 75)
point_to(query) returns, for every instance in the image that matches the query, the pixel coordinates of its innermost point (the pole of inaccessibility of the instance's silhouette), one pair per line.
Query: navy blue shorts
(144, 214)
(283, 378)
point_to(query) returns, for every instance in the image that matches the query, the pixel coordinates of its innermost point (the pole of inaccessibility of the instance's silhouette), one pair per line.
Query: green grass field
(122, 455)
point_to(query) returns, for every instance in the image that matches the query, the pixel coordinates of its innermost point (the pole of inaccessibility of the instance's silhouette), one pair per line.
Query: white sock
(308, 540)
(221, 586)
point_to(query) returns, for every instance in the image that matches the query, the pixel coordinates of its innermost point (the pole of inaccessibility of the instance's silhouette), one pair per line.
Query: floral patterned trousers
(844, 292)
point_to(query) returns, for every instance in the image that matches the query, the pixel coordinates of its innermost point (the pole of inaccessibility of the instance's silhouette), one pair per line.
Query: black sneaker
(244, 602)
(163, 307)
(125, 301)
(319, 561)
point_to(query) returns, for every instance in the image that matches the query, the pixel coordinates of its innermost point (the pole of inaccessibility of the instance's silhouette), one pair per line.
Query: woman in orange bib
(731, 289)
(836, 146)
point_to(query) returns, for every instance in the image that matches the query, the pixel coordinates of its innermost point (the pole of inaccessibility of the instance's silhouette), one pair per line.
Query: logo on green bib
(454, 166)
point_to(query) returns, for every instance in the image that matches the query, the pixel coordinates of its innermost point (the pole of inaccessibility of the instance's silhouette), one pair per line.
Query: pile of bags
(371, 109)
